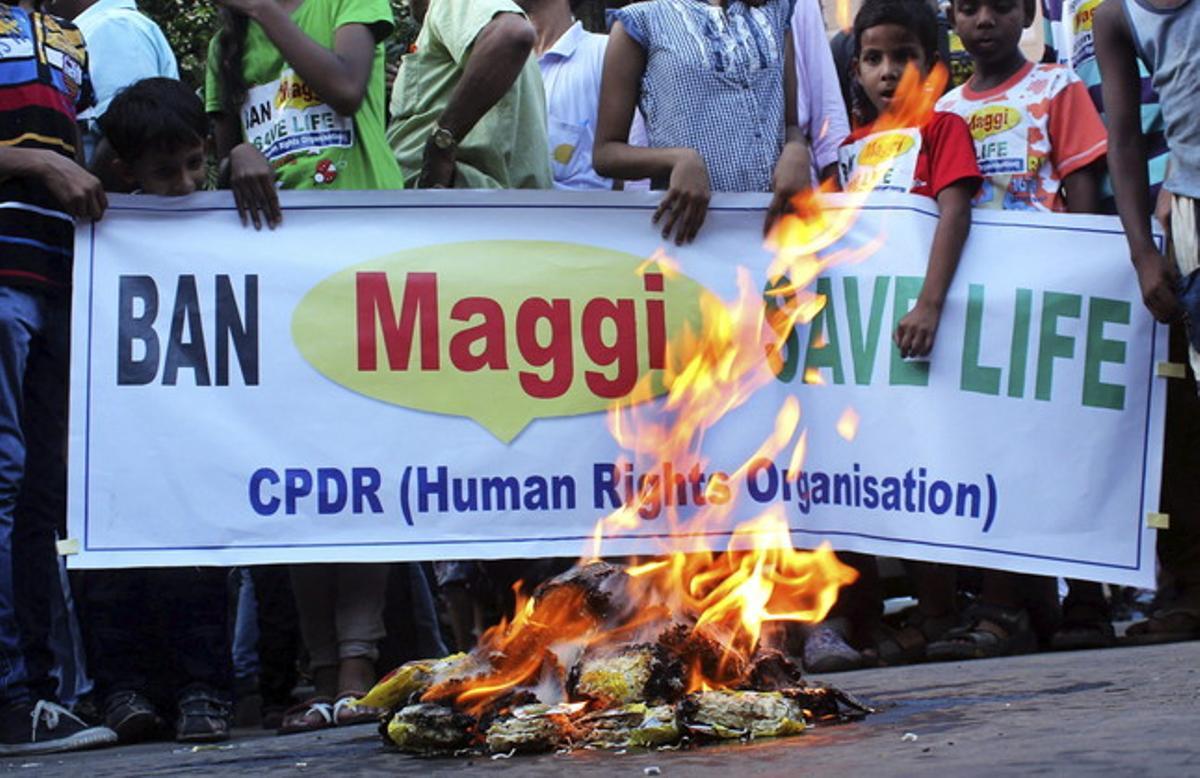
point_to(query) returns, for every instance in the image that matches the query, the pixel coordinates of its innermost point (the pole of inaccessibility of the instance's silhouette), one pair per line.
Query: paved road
(1121, 712)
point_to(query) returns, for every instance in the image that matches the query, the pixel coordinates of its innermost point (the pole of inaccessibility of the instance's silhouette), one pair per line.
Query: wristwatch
(444, 139)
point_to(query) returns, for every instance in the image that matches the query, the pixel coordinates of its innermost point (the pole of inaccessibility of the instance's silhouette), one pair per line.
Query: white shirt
(571, 72)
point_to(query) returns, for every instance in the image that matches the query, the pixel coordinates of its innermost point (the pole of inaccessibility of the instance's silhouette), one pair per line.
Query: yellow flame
(847, 425)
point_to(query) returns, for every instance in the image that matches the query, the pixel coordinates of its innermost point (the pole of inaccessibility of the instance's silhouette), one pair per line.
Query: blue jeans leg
(22, 315)
(41, 510)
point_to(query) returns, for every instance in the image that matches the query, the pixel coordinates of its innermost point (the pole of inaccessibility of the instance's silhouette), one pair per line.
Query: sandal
(347, 713)
(906, 644)
(1084, 627)
(310, 716)
(1170, 625)
(988, 632)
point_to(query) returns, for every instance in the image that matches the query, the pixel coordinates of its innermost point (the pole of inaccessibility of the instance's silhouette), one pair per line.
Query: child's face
(172, 173)
(885, 50)
(990, 29)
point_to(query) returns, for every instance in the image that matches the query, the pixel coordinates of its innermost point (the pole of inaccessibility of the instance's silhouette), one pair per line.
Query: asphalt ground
(1124, 711)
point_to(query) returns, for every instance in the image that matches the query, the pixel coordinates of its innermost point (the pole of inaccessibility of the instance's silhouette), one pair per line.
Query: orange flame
(726, 600)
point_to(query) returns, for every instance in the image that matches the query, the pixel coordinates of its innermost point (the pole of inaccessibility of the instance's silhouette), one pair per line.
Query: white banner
(424, 375)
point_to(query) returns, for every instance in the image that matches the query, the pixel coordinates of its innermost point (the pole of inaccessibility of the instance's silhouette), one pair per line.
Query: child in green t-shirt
(295, 88)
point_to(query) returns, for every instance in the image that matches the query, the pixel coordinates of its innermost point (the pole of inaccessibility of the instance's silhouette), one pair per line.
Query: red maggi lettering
(557, 352)
(375, 304)
(608, 330)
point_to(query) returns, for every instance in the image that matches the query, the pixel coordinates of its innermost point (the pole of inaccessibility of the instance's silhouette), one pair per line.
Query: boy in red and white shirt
(1038, 137)
(935, 159)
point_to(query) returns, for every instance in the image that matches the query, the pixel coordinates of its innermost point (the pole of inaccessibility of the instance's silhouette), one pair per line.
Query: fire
(847, 425)
(715, 609)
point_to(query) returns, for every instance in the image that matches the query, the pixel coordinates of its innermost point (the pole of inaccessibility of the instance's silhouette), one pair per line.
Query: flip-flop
(309, 716)
(347, 714)
(1172, 625)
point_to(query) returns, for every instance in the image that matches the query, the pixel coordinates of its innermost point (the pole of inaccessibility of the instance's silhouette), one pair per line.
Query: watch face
(443, 138)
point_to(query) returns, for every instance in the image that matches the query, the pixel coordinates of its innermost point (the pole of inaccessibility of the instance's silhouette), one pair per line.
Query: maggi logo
(1085, 14)
(294, 93)
(884, 147)
(992, 120)
(500, 331)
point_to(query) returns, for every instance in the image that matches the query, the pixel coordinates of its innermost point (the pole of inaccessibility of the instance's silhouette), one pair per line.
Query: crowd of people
(687, 97)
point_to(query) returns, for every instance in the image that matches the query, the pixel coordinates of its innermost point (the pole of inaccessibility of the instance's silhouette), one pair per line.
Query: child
(326, 58)
(1162, 36)
(1038, 138)
(1041, 146)
(43, 85)
(142, 620)
(720, 107)
(937, 158)
(157, 130)
(934, 158)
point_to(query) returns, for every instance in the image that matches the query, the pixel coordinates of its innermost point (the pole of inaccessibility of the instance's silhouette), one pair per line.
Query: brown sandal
(1172, 625)
(309, 716)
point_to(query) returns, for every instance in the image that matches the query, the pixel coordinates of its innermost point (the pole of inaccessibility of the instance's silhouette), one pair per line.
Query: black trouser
(158, 632)
(1179, 546)
(278, 634)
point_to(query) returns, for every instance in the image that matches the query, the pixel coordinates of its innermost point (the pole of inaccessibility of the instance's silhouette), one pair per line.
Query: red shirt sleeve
(1077, 134)
(951, 152)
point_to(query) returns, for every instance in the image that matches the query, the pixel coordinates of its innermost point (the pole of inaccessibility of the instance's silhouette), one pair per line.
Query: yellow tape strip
(1158, 520)
(68, 547)
(1171, 370)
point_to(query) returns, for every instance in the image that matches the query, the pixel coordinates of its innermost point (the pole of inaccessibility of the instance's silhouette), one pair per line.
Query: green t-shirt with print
(308, 143)
(507, 148)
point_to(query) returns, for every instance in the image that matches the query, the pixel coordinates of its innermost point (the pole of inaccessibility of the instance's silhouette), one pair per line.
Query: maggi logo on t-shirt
(885, 147)
(294, 93)
(992, 120)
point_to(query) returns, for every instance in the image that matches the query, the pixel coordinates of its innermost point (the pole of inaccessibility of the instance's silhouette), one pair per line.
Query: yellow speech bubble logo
(992, 120)
(503, 331)
(885, 147)
(1084, 16)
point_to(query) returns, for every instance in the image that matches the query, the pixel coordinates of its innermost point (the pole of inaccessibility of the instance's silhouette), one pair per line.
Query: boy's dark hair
(916, 16)
(154, 114)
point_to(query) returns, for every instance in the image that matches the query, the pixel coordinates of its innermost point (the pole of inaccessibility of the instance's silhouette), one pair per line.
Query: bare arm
(339, 77)
(686, 202)
(1121, 85)
(1083, 189)
(793, 168)
(75, 189)
(916, 332)
(497, 57)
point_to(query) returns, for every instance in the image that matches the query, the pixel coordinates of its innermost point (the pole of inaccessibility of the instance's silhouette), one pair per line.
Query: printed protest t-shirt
(1030, 133)
(310, 145)
(922, 160)
(1070, 26)
(43, 85)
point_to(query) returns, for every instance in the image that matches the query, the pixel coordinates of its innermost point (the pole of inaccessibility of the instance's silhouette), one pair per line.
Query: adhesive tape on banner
(1158, 520)
(1171, 370)
(68, 547)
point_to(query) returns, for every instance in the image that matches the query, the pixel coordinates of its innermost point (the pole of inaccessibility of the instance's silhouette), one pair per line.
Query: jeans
(34, 331)
(159, 631)
(245, 627)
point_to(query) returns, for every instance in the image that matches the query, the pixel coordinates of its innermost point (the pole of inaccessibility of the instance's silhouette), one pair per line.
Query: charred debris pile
(587, 663)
